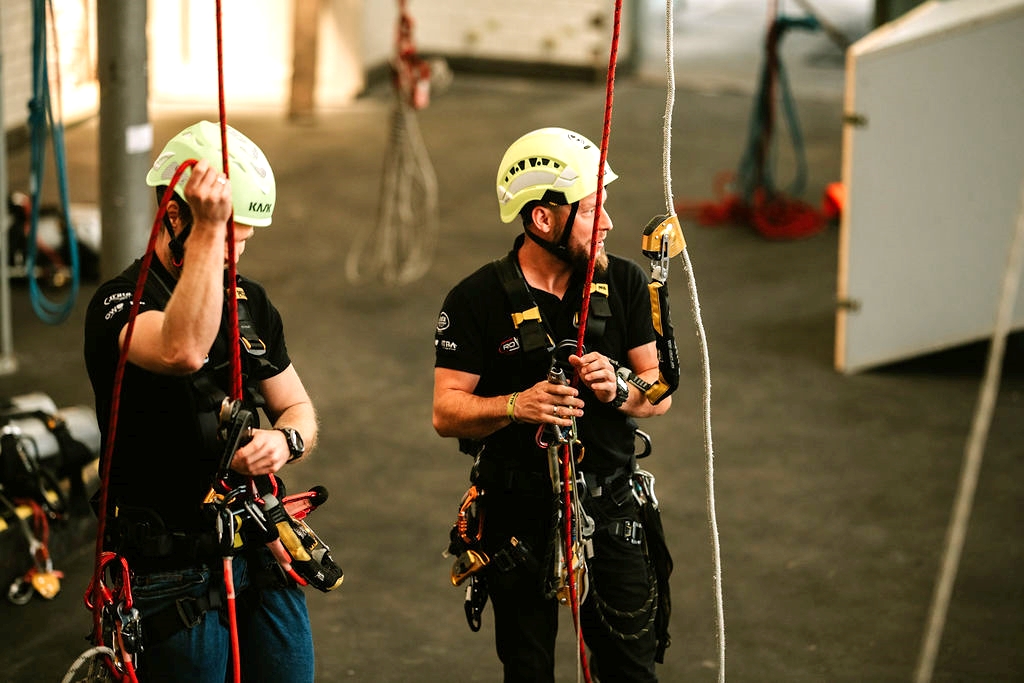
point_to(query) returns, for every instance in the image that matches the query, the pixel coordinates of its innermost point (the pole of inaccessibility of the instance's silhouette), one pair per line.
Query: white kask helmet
(253, 190)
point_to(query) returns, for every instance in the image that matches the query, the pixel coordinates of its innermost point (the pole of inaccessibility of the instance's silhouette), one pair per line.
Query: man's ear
(543, 219)
(173, 214)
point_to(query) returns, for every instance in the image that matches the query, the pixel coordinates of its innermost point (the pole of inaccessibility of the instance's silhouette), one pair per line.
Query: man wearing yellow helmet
(167, 450)
(495, 343)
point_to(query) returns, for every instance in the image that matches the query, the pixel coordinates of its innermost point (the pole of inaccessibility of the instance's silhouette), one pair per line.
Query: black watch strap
(621, 387)
(296, 446)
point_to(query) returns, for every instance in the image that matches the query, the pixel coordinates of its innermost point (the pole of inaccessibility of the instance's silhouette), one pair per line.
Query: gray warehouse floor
(833, 492)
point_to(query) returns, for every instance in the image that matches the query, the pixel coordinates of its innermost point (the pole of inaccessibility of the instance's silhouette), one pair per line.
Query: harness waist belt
(183, 613)
(599, 485)
(490, 475)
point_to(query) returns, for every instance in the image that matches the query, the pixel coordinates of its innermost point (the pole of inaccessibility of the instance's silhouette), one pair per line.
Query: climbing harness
(400, 248)
(534, 336)
(757, 200)
(42, 122)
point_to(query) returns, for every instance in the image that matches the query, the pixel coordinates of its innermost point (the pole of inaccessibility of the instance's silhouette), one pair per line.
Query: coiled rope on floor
(755, 199)
(399, 248)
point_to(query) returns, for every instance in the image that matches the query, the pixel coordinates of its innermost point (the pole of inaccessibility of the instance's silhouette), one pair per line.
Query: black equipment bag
(41, 446)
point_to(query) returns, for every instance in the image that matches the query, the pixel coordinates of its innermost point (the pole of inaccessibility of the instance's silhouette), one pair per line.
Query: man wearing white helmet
(167, 451)
(493, 354)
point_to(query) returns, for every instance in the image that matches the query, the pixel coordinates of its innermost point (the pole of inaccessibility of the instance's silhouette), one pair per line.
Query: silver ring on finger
(555, 411)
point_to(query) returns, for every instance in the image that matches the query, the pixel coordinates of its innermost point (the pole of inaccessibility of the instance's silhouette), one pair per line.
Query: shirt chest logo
(509, 346)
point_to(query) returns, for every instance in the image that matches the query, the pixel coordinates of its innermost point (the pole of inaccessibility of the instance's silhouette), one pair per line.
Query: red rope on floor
(775, 217)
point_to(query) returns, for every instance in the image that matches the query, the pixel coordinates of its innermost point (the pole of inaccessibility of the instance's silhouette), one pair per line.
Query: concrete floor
(833, 493)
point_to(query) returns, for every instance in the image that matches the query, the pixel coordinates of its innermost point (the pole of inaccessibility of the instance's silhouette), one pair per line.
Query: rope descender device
(569, 581)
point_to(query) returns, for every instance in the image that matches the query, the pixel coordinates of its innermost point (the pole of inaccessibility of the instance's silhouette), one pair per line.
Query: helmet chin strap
(177, 242)
(177, 245)
(560, 250)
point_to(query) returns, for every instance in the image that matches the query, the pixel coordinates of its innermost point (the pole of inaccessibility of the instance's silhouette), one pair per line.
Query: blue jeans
(275, 640)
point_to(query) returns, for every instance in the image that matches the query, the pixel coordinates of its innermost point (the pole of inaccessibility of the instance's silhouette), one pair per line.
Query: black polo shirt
(475, 334)
(164, 459)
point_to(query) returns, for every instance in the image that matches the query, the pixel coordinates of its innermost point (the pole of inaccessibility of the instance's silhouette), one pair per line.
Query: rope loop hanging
(42, 124)
(399, 248)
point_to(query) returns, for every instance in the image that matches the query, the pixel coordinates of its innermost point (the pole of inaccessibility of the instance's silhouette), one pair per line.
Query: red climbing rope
(567, 494)
(774, 216)
(95, 593)
(98, 594)
(236, 358)
(605, 135)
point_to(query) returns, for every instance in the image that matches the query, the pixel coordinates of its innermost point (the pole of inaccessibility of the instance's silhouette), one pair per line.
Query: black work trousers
(617, 615)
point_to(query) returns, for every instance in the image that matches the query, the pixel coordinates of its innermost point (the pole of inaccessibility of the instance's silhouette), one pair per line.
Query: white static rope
(86, 656)
(400, 248)
(705, 361)
(973, 453)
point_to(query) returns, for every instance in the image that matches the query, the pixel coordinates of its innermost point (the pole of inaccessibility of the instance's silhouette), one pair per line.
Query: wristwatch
(295, 444)
(621, 386)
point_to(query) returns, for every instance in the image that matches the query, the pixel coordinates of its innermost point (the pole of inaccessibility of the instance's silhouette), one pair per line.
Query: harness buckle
(190, 616)
(633, 532)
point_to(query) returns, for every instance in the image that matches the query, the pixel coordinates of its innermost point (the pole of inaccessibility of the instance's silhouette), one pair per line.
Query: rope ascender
(661, 240)
(42, 124)
(400, 247)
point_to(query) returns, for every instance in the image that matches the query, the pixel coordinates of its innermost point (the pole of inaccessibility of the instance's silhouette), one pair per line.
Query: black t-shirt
(475, 334)
(165, 458)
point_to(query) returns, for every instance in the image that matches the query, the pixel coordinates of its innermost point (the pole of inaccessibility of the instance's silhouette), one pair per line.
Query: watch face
(295, 444)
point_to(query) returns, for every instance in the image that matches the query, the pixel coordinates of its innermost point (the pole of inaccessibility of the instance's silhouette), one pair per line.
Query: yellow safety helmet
(253, 190)
(547, 160)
